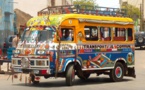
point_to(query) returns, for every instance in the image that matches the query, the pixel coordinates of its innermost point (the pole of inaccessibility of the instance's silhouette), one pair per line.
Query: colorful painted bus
(65, 45)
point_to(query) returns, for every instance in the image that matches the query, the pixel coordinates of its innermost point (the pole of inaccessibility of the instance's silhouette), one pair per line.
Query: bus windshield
(38, 35)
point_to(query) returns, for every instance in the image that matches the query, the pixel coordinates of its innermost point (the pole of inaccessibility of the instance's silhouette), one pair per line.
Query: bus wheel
(83, 75)
(117, 73)
(33, 79)
(70, 75)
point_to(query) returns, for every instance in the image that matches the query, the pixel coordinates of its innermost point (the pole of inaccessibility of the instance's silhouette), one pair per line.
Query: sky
(30, 6)
(33, 6)
(108, 3)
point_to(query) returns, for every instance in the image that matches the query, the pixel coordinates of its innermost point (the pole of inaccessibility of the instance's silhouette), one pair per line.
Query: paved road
(94, 83)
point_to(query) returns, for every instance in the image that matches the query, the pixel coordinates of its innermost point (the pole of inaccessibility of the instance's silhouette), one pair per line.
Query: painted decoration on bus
(85, 48)
(101, 56)
(46, 20)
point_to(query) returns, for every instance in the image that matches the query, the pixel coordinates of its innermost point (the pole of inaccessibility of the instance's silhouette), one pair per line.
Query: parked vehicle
(8, 43)
(65, 45)
(140, 39)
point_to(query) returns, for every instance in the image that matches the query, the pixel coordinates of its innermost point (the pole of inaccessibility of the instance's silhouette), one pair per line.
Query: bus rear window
(119, 34)
(123, 34)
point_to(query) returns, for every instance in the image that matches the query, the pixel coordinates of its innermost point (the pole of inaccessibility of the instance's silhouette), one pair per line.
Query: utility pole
(143, 15)
(120, 2)
(52, 3)
(63, 2)
(71, 2)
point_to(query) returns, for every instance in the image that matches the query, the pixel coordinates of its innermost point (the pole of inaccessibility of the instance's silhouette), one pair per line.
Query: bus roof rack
(84, 9)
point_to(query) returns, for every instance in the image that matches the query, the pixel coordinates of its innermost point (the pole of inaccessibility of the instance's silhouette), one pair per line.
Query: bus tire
(70, 75)
(117, 73)
(84, 75)
(33, 79)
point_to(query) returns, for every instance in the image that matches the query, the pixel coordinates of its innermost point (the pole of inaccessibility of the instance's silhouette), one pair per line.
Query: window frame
(109, 38)
(126, 35)
(91, 38)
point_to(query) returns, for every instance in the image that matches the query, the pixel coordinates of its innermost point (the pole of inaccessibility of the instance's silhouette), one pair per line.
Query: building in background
(21, 19)
(6, 19)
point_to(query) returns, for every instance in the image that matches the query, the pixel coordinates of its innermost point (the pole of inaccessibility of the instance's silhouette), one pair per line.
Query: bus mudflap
(131, 72)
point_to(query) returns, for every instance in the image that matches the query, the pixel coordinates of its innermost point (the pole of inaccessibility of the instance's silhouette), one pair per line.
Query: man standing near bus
(15, 41)
(14, 45)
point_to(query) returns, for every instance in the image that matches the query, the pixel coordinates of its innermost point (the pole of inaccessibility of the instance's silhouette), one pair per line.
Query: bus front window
(38, 35)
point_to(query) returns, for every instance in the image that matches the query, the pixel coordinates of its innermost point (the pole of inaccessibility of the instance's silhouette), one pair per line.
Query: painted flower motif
(27, 51)
(47, 46)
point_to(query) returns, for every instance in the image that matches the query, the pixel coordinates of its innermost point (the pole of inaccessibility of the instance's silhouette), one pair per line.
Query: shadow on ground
(78, 82)
(137, 48)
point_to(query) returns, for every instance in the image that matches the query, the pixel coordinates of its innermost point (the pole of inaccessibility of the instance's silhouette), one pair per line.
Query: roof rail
(84, 9)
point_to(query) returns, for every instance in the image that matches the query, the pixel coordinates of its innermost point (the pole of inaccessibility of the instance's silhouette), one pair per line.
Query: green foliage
(88, 4)
(84, 2)
(132, 11)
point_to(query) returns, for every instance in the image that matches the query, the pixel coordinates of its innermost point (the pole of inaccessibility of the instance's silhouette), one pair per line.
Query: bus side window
(130, 36)
(67, 34)
(119, 34)
(94, 34)
(105, 33)
(91, 33)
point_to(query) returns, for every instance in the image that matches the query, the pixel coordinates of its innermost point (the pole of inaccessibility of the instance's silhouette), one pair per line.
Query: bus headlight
(17, 51)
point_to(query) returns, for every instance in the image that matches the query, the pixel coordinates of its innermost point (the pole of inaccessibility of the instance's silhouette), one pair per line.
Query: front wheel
(70, 75)
(117, 73)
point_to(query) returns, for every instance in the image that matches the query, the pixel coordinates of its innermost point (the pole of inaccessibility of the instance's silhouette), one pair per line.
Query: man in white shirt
(15, 41)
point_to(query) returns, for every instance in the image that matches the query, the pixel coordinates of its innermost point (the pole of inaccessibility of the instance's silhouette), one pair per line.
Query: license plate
(18, 70)
(36, 71)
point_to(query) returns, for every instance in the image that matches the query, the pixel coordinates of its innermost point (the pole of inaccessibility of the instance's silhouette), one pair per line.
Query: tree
(132, 11)
(84, 2)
